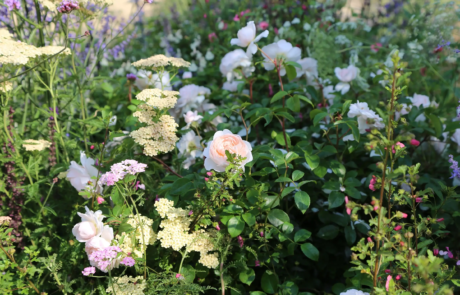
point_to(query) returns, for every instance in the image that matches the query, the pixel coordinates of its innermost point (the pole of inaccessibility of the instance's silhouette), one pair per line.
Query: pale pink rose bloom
(100, 200)
(96, 244)
(90, 226)
(225, 140)
(345, 76)
(247, 37)
(191, 117)
(281, 51)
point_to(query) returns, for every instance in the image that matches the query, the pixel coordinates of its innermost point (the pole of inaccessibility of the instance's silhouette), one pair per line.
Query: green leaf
(302, 235)
(345, 106)
(234, 209)
(304, 98)
(312, 160)
(312, 91)
(249, 218)
(337, 168)
(297, 174)
(188, 272)
(258, 293)
(350, 235)
(302, 200)
(277, 217)
(280, 139)
(287, 116)
(247, 276)
(293, 103)
(181, 186)
(354, 130)
(336, 199)
(287, 191)
(310, 251)
(436, 124)
(328, 232)
(235, 226)
(283, 179)
(116, 198)
(320, 171)
(291, 72)
(319, 117)
(278, 96)
(269, 283)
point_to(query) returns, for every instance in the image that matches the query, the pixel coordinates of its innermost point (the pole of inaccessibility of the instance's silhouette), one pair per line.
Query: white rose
(309, 68)
(281, 51)
(421, 100)
(231, 86)
(189, 146)
(328, 93)
(91, 225)
(191, 117)
(96, 244)
(456, 138)
(81, 176)
(225, 140)
(187, 75)
(233, 60)
(354, 292)
(191, 97)
(247, 37)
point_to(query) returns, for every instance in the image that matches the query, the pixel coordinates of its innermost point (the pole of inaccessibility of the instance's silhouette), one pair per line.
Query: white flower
(438, 145)
(247, 37)
(354, 292)
(421, 100)
(187, 75)
(328, 93)
(404, 111)
(280, 51)
(91, 225)
(191, 117)
(233, 60)
(309, 68)
(189, 147)
(146, 79)
(81, 176)
(225, 140)
(191, 96)
(113, 121)
(367, 118)
(231, 86)
(456, 138)
(345, 76)
(96, 244)
(348, 137)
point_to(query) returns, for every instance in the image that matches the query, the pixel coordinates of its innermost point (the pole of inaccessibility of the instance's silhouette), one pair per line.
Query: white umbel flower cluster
(158, 99)
(127, 285)
(160, 61)
(35, 145)
(175, 233)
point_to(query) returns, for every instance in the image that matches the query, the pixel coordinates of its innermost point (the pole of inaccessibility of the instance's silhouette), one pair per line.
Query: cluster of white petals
(158, 99)
(280, 52)
(35, 145)
(345, 76)
(367, 119)
(189, 148)
(160, 61)
(146, 79)
(247, 37)
(82, 177)
(175, 234)
(127, 285)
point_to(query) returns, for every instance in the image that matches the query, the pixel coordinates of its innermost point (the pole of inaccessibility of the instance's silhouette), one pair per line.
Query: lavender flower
(13, 4)
(68, 6)
(131, 77)
(454, 167)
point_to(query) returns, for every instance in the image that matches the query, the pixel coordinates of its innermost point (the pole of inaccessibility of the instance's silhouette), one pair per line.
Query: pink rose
(96, 244)
(216, 158)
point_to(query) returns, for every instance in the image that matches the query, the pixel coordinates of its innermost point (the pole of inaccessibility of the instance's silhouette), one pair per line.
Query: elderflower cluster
(53, 50)
(5, 34)
(6, 87)
(159, 61)
(135, 243)
(175, 233)
(127, 285)
(158, 99)
(36, 145)
(158, 136)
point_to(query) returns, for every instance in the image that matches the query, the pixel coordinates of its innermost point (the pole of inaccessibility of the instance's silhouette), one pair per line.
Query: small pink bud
(418, 200)
(257, 263)
(190, 212)
(436, 251)
(349, 211)
(440, 220)
(404, 215)
(240, 241)
(398, 228)
(376, 208)
(205, 15)
(209, 173)
(261, 233)
(401, 244)
(369, 240)
(206, 179)
(387, 271)
(346, 199)
(398, 277)
(414, 142)
(217, 227)
(91, 147)
(100, 200)
(387, 284)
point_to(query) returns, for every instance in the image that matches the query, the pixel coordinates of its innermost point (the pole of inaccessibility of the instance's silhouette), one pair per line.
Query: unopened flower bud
(400, 214)
(398, 227)
(408, 235)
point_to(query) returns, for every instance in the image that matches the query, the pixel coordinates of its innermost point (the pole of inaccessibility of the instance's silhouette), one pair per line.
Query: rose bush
(274, 147)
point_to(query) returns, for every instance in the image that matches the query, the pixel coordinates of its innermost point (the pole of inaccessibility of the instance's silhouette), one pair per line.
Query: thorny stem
(382, 189)
(278, 69)
(167, 167)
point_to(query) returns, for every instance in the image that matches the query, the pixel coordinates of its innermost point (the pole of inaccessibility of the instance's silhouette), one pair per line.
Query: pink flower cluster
(237, 16)
(120, 170)
(128, 261)
(372, 183)
(68, 6)
(89, 271)
(398, 144)
(348, 209)
(240, 241)
(376, 47)
(103, 258)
